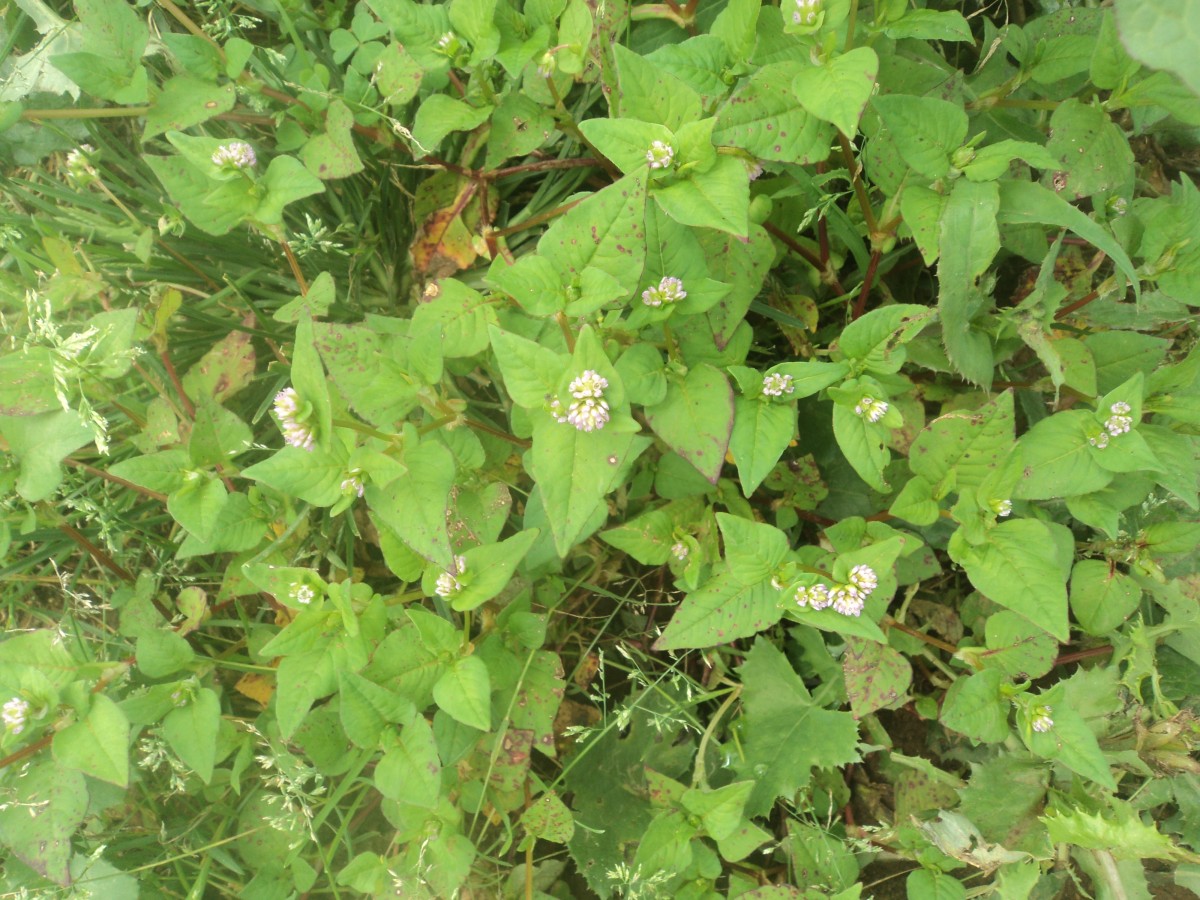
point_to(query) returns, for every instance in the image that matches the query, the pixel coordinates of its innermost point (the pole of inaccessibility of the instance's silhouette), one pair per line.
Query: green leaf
(1071, 742)
(716, 198)
(186, 101)
(969, 240)
(992, 161)
(915, 502)
(410, 769)
(696, 419)
(1018, 567)
(1017, 648)
(43, 841)
(1057, 458)
(331, 154)
(1090, 149)
(475, 20)
(218, 435)
(489, 569)
(764, 118)
(303, 678)
(1101, 597)
(1118, 831)
(439, 115)
(192, 731)
(312, 476)
(366, 708)
(98, 744)
(161, 653)
(398, 75)
(932, 884)
(787, 734)
(971, 445)
(162, 471)
(925, 130)
(722, 610)
(40, 442)
(285, 181)
(464, 692)
(761, 432)
(876, 675)
(862, 443)
(876, 338)
(197, 505)
(974, 706)
(838, 91)
(753, 550)
(415, 504)
(548, 819)
(1024, 202)
(922, 210)
(648, 93)
(930, 25)
(604, 231)
(625, 141)
(720, 810)
(1163, 35)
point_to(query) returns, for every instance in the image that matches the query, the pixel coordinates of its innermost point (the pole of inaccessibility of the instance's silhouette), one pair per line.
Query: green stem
(107, 112)
(364, 429)
(851, 22)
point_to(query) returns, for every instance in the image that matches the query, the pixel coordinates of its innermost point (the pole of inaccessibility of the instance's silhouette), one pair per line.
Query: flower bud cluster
(287, 410)
(669, 290)
(777, 385)
(847, 599)
(871, 409)
(234, 155)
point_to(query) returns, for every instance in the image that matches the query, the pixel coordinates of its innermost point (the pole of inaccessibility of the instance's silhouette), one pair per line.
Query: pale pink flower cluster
(847, 599)
(303, 594)
(234, 155)
(588, 410)
(15, 713)
(660, 155)
(669, 290)
(806, 12)
(353, 482)
(447, 583)
(1117, 424)
(679, 550)
(295, 432)
(871, 409)
(777, 385)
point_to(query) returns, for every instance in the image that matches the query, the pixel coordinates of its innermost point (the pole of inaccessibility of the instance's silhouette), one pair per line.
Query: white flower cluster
(806, 12)
(847, 599)
(679, 550)
(1041, 719)
(295, 432)
(303, 594)
(1117, 424)
(353, 482)
(777, 385)
(234, 155)
(871, 409)
(447, 583)
(15, 713)
(79, 165)
(588, 410)
(660, 155)
(1001, 508)
(669, 290)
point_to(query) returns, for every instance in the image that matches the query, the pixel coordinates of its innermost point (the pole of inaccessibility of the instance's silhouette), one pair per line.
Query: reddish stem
(861, 305)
